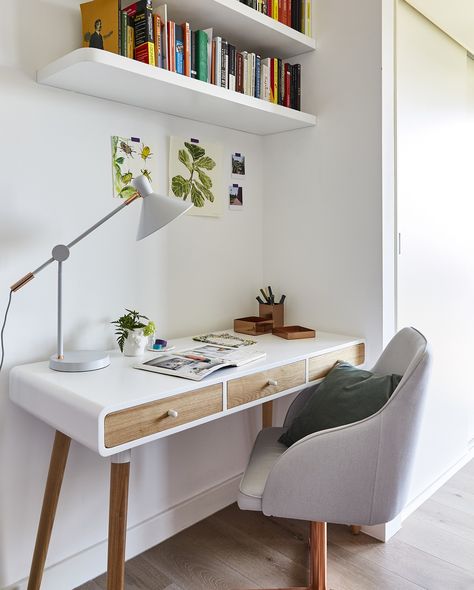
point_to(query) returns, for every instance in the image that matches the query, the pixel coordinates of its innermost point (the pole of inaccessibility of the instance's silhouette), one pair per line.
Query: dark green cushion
(346, 395)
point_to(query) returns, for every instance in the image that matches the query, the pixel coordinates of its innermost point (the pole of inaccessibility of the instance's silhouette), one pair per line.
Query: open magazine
(197, 363)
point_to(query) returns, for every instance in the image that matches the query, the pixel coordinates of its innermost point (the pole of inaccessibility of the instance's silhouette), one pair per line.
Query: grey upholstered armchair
(357, 473)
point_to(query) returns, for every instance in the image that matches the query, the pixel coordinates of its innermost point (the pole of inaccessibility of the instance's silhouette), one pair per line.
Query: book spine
(251, 74)
(224, 64)
(245, 57)
(130, 37)
(284, 19)
(218, 61)
(143, 24)
(275, 9)
(201, 55)
(307, 29)
(258, 74)
(281, 81)
(171, 49)
(232, 67)
(240, 73)
(157, 40)
(287, 93)
(270, 8)
(179, 49)
(193, 55)
(298, 87)
(123, 33)
(187, 48)
(265, 82)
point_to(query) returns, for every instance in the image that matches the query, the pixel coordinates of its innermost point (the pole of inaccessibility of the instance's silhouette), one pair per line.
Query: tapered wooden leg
(355, 529)
(267, 414)
(318, 556)
(119, 478)
(57, 466)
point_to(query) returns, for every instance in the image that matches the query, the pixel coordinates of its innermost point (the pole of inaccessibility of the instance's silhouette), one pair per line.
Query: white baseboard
(91, 562)
(383, 532)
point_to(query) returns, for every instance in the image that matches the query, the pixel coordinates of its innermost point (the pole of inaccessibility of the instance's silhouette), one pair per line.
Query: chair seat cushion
(346, 395)
(266, 451)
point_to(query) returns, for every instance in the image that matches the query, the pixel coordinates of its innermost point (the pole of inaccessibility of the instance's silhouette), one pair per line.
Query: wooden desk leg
(267, 414)
(119, 478)
(57, 466)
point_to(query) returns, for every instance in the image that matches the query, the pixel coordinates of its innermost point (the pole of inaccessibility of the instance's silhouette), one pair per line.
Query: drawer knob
(272, 382)
(173, 413)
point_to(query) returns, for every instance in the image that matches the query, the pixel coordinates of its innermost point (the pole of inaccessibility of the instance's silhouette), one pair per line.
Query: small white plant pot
(135, 343)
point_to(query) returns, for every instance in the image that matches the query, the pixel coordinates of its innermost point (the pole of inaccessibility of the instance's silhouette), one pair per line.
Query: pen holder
(272, 311)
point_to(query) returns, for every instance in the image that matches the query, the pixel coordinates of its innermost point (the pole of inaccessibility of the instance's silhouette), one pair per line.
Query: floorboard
(233, 549)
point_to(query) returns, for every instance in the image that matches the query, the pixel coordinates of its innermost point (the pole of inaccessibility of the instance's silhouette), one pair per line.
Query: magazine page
(231, 355)
(188, 365)
(225, 339)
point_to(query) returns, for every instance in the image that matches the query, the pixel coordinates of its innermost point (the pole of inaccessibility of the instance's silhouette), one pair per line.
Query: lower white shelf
(106, 75)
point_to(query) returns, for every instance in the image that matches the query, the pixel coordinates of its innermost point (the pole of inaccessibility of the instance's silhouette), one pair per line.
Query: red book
(280, 10)
(288, 13)
(187, 48)
(284, 18)
(270, 8)
(239, 83)
(171, 46)
(287, 93)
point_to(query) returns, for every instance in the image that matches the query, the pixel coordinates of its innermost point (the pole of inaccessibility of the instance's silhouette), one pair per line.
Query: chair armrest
(327, 476)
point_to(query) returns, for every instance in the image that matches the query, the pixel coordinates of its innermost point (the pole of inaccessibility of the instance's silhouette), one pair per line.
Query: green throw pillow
(346, 395)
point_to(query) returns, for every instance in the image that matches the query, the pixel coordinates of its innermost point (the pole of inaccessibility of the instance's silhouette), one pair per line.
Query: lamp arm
(31, 275)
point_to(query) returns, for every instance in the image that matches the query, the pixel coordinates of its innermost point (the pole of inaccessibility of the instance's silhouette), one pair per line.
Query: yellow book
(101, 25)
(274, 96)
(275, 9)
(307, 27)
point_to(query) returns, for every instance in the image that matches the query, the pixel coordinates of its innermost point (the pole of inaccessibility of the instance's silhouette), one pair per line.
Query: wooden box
(294, 332)
(273, 312)
(253, 325)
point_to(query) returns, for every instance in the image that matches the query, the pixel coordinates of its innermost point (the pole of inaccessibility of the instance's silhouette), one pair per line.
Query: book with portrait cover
(101, 25)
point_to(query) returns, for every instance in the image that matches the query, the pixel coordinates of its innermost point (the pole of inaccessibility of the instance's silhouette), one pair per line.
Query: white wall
(323, 204)
(435, 211)
(198, 274)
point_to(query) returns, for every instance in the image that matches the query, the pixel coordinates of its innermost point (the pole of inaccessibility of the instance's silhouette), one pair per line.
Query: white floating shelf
(106, 75)
(242, 26)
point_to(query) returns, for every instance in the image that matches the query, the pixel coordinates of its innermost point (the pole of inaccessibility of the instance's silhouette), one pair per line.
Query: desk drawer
(133, 423)
(246, 389)
(319, 366)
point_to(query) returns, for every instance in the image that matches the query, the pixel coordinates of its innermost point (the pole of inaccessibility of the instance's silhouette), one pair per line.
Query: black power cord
(3, 329)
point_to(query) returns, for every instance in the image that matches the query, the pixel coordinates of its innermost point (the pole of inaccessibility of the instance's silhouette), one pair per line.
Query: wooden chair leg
(52, 490)
(119, 480)
(318, 556)
(267, 414)
(355, 529)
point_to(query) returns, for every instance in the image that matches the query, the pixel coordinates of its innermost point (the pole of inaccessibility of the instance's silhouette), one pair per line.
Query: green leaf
(126, 192)
(205, 162)
(184, 159)
(180, 186)
(196, 197)
(195, 151)
(120, 161)
(207, 193)
(205, 179)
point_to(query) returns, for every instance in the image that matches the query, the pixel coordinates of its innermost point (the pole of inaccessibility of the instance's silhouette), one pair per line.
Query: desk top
(77, 403)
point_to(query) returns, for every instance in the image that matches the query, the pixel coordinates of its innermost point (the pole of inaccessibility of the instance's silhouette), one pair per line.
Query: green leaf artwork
(199, 184)
(130, 158)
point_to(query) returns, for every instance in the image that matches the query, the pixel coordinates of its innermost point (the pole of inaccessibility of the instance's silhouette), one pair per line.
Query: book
(239, 83)
(224, 64)
(101, 25)
(162, 12)
(186, 48)
(179, 49)
(226, 339)
(157, 40)
(232, 66)
(197, 363)
(265, 79)
(123, 33)
(142, 14)
(193, 55)
(130, 37)
(217, 60)
(209, 52)
(258, 61)
(201, 55)
(171, 52)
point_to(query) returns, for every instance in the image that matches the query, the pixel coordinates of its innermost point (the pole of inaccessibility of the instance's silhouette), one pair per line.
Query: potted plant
(132, 333)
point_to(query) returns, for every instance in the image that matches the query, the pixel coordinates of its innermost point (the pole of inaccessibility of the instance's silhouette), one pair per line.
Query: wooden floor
(232, 549)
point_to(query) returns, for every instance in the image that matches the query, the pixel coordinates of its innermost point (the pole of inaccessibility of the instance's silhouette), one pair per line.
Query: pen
(282, 299)
(265, 295)
(259, 299)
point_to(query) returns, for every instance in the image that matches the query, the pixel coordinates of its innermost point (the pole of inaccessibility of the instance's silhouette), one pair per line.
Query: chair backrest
(406, 354)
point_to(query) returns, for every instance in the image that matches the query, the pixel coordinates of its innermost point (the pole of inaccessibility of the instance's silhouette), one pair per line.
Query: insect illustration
(127, 177)
(127, 149)
(146, 152)
(146, 173)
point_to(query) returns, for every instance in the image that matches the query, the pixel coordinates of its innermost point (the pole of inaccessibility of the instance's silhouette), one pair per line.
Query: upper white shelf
(106, 75)
(242, 26)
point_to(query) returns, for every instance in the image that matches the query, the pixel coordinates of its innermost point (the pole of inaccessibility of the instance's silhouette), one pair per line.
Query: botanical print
(238, 165)
(195, 175)
(131, 157)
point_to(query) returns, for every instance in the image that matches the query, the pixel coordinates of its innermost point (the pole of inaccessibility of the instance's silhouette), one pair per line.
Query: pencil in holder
(272, 311)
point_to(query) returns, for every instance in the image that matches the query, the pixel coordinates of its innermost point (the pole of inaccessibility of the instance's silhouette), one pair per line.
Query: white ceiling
(455, 17)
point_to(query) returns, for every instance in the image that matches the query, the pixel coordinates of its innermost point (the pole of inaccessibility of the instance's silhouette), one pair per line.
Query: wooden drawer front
(319, 366)
(252, 387)
(133, 423)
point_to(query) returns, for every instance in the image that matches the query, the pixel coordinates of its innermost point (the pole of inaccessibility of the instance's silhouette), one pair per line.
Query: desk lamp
(157, 211)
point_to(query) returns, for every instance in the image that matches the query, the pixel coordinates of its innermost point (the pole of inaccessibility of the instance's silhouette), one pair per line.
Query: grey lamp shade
(157, 210)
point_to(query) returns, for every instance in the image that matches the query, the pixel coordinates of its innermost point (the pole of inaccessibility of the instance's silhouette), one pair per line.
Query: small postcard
(238, 165)
(236, 197)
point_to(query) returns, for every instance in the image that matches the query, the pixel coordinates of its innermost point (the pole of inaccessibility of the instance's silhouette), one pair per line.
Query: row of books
(294, 13)
(142, 30)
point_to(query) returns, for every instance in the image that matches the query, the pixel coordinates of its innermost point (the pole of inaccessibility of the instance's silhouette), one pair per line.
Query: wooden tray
(253, 325)
(294, 332)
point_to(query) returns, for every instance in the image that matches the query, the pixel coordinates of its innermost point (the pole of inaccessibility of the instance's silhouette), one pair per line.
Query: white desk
(115, 409)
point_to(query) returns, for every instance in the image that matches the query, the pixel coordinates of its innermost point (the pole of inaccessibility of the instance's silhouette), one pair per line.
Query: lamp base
(80, 360)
